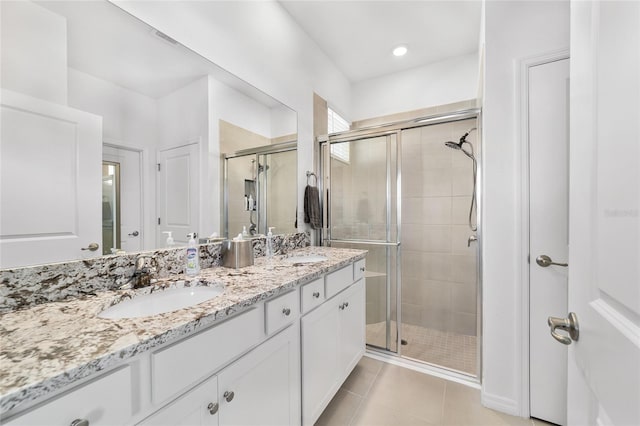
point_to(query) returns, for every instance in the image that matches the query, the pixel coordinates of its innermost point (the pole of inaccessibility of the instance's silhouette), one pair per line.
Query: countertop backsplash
(22, 288)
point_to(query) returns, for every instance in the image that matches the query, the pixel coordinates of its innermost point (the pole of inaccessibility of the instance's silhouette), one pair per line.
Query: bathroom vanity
(273, 348)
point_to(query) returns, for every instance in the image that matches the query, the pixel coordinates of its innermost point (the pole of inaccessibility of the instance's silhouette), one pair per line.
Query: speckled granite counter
(52, 345)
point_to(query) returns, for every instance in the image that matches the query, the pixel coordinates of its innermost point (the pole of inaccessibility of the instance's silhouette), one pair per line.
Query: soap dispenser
(169, 243)
(270, 242)
(244, 234)
(193, 261)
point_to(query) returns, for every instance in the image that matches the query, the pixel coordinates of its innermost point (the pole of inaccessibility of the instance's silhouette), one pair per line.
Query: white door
(548, 234)
(604, 280)
(50, 182)
(178, 194)
(131, 232)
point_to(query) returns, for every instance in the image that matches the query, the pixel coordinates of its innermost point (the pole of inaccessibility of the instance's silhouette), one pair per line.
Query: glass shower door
(362, 179)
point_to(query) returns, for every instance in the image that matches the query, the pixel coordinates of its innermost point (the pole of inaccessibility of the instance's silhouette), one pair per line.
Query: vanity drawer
(337, 281)
(106, 400)
(312, 294)
(358, 269)
(281, 311)
(187, 361)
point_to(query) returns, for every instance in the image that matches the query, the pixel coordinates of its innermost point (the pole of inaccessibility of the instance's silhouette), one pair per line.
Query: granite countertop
(50, 346)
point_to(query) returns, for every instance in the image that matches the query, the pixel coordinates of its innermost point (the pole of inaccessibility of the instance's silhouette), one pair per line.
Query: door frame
(118, 144)
(522, 292)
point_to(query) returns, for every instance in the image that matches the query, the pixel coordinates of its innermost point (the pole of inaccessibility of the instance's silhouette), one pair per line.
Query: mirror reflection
(114, 134)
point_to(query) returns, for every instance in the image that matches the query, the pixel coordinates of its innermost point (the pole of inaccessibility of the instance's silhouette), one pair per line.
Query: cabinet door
(195, 408)
(263, 387)
(352, 327)
(320, 353)
(104, 401)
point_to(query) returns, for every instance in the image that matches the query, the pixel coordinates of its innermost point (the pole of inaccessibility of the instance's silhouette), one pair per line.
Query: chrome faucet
(142, 271)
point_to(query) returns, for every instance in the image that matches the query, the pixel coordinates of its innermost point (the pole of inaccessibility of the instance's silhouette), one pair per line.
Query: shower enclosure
(399, 192)
(260, 190)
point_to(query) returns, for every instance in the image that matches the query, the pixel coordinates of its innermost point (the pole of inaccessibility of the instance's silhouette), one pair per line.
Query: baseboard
(498, 403)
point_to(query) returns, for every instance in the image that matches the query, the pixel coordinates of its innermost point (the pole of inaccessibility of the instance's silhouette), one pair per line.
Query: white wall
(513, 31)
(260, 43)
(440, 83)
(34, 51)
(283, 121)
(129, 119)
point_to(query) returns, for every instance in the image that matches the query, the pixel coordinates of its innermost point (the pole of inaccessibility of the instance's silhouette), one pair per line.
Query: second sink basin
(162, 301)
(311, 258)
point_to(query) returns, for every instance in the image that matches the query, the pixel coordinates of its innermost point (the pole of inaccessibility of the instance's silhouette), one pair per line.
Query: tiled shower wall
(438, 269)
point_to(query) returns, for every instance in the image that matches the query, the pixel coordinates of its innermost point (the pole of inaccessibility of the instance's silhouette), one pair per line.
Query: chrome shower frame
(324, 180)
(261, 216)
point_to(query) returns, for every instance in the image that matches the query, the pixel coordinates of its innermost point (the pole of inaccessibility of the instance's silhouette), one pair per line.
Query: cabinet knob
(229, 396)
(362, 268)
(346, 304)
(80, 422)
(341, 307)
(212, 407)
(286, 311)
(316, 294)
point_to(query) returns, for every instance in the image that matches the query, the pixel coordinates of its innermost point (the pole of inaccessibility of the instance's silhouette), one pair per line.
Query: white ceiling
(106, 42)
(358, 36)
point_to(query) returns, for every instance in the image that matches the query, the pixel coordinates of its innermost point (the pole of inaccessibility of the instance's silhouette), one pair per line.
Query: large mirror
(114, 135)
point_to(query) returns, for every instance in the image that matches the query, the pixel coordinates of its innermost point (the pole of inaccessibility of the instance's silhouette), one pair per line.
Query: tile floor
(446, 349)
(381, 394)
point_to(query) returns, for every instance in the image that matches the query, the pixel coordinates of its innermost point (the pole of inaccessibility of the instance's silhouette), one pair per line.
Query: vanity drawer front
(184, 363)
(358, 269)
(281, 311)
(104, 401)
(312, 294)
(337, 281)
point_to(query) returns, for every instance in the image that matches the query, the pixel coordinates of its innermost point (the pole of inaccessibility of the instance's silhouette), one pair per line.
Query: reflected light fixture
(400, 50)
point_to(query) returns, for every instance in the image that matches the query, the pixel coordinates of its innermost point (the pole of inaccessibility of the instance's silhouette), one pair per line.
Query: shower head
(453, 145)
(463, 140)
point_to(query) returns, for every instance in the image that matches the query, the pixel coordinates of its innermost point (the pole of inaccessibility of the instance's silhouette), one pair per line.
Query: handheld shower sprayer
(459, 146)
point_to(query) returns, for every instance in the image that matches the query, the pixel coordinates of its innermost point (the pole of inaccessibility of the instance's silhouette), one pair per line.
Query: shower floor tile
(450, 350)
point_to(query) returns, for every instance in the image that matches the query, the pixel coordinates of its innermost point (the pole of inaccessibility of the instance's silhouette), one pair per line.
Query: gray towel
(312, 214)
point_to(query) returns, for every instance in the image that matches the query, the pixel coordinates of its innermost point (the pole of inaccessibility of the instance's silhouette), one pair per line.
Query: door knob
(91, 247)
(544, 261)
(134, 234)
(569, 324)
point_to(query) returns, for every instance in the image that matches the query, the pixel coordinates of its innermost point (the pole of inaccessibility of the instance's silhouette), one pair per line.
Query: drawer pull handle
(229, 396)
(80, 422)
(362, 268)
(316, 294)
(286, 311)
(213, 408)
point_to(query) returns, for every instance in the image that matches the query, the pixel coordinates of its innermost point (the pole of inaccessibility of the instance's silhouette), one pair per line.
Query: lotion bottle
(193, 261)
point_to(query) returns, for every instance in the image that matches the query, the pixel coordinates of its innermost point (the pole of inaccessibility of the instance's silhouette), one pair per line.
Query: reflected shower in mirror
(86, 84)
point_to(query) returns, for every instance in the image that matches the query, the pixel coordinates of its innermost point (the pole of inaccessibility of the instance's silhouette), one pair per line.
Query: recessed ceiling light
(400, 51)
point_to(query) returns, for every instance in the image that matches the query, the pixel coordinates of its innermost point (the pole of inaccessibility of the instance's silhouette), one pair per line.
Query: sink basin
(312, 258)
(161, 302)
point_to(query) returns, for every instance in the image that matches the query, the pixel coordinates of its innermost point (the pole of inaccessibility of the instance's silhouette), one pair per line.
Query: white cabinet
(103, 401)
(198, 407)
(260, 388)
(263, 387)
(333, 341)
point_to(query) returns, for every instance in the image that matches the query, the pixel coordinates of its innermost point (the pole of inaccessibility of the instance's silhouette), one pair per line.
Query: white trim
(522, 291)
(498, 403)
